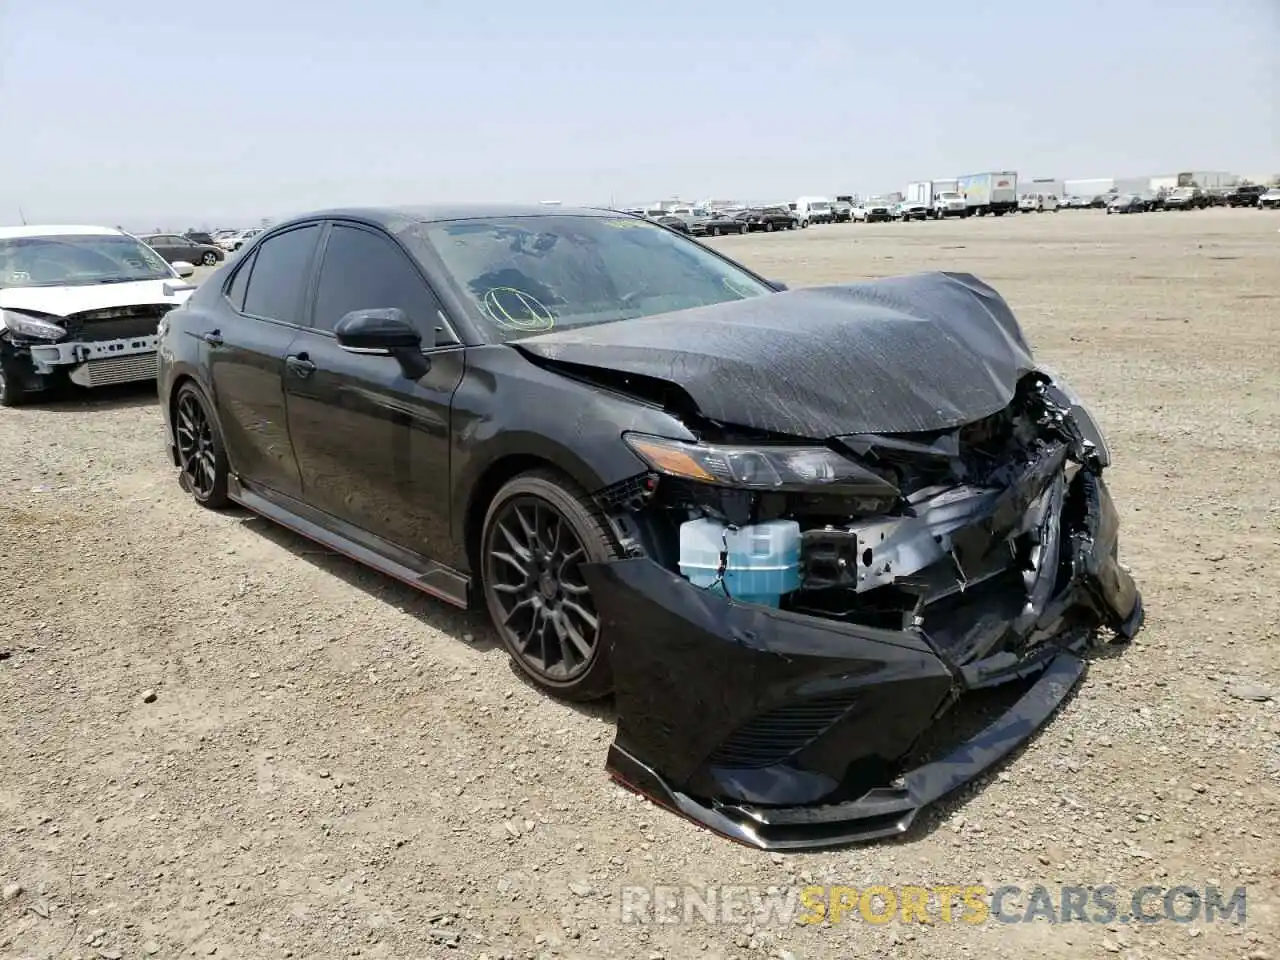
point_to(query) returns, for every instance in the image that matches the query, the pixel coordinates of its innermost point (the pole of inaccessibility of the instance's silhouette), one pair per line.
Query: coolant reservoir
(762, 562)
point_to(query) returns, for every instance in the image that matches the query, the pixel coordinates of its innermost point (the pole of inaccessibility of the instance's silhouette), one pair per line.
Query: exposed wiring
(723, 564)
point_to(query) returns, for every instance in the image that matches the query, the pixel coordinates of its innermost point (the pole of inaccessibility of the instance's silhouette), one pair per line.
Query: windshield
(528, 275)
(948, 195)
(819, 205)
(78, 260)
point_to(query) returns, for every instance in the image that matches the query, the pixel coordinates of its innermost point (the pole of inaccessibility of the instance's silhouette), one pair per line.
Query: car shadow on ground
(70, 398)
(469, 627)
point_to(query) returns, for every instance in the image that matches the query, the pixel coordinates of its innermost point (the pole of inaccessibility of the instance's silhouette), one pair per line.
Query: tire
(519, 520)
(768, 227)
(209, 259)
(13, 392)
(714, 231)
(198, 440)
(744, 229)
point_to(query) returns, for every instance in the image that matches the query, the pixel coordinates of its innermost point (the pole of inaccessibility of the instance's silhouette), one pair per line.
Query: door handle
(300, 365)
(213, 338)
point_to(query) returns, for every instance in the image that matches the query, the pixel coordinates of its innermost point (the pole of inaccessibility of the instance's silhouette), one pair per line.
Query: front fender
(508, 407)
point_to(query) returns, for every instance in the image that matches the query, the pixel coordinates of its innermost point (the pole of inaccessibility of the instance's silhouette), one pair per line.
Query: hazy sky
(155, 113)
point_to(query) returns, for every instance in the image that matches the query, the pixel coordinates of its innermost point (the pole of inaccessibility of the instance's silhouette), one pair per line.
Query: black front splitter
(881, 812)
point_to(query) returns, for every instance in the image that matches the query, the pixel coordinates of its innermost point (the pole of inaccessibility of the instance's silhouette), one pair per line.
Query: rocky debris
(12, 891)
(148, 696)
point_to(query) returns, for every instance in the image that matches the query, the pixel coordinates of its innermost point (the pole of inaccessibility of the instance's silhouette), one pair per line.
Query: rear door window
(281, 269)
(239, 283)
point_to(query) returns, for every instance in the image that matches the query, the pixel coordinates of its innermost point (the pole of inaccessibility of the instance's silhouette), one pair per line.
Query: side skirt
(410, 568)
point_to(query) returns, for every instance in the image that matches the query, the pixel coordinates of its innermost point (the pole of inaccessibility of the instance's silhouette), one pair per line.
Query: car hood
(65, 301)
(905, 354)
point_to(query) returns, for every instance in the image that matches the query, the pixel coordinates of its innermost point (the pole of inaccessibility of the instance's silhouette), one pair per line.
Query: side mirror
(380, 331)
(182, 268)
(779, 285)
(384, 332)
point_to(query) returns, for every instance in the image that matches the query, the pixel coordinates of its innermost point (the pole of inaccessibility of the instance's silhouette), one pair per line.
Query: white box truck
(995, 193)
(920, 191)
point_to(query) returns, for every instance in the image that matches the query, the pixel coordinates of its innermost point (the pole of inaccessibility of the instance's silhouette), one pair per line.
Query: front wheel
(202, 455)
(13, 392)
(538, 532)
(768, 227)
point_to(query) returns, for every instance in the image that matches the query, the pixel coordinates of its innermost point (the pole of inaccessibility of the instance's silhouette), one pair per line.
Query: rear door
(373, 445)
(266, 299)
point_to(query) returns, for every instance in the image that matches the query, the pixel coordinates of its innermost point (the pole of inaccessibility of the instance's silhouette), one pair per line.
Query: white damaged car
(80, 303)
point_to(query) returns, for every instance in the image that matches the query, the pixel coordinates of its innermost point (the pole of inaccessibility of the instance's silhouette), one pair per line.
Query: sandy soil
(332, 765)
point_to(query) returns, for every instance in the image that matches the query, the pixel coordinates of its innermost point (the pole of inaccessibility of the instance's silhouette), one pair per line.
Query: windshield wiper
(126, 279)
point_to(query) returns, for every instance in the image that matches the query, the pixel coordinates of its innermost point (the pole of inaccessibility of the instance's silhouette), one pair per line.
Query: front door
(264, 306)
(372, 445)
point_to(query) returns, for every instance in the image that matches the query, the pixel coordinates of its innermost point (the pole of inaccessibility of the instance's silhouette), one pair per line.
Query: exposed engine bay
(907, 527)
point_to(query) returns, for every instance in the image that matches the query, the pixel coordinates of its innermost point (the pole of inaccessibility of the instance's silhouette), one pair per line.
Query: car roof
(57, 230)
(396, 217)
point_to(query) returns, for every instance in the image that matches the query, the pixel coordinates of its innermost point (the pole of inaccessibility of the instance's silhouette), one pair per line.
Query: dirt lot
(333, 765)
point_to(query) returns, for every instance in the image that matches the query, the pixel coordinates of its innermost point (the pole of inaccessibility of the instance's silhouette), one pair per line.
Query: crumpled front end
(838, 713)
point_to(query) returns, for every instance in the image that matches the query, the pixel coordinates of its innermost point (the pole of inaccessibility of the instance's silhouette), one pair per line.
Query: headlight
(1089, 427)
(764, 467)
(30, 327)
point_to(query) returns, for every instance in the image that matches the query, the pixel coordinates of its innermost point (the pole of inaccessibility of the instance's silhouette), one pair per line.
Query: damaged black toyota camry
(793, 532)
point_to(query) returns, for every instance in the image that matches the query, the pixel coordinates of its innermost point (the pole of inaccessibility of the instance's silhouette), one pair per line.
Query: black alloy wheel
(537, 533)
(209, 259)
(201, 454)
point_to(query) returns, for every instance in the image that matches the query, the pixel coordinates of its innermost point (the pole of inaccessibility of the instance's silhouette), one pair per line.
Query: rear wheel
(202, 455)
(538, 531)
(209, 258)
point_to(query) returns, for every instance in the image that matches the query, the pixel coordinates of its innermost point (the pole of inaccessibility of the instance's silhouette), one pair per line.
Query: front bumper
(789, 731)
(98, 363)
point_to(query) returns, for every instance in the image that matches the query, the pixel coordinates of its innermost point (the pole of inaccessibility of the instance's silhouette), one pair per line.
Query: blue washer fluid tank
(763, 561)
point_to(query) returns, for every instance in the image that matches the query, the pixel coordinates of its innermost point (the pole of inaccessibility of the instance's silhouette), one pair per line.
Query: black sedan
(177, 249)
(767, 219)
(791, 531)
(1127, 203)
(716, 224)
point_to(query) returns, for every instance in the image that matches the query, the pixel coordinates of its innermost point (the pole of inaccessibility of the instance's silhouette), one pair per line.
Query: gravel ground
(220, 740)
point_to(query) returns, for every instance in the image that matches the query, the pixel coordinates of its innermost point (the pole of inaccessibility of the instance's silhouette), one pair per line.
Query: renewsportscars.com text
(971, 904)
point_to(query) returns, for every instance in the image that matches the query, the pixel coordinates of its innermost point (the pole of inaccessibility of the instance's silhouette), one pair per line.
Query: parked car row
(799, 214)
(707, 223)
